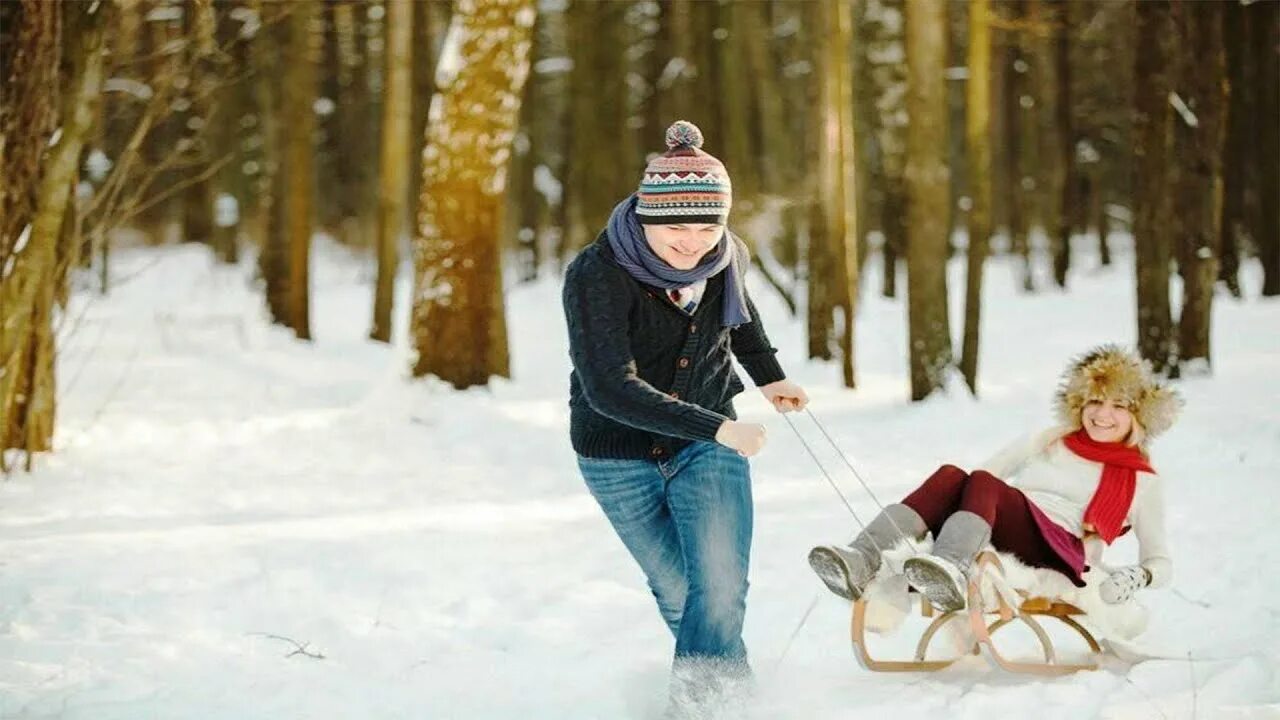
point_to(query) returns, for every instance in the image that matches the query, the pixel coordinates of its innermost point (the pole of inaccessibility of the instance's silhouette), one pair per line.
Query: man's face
(683, 245)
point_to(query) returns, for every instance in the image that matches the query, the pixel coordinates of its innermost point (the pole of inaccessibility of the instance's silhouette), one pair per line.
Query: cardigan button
(656, 451)
(684, 362)
(693, 328)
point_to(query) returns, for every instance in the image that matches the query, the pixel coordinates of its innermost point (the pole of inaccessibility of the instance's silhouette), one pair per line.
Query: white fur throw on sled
(888, 603)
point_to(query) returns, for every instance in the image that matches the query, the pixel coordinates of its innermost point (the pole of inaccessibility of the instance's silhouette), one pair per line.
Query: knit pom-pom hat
(684, 184)
(1110, 371)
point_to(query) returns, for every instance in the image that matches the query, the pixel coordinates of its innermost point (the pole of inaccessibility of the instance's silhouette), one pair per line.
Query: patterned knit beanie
(684, 184)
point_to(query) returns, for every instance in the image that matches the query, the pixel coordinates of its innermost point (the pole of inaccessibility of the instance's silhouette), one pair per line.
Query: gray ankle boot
(942, 576)
(847, 570)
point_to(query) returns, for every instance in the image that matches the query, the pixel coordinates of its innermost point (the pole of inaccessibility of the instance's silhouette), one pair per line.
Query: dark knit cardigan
(648, 378)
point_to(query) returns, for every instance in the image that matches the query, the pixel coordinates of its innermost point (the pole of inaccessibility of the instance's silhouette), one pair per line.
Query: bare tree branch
(300, 648)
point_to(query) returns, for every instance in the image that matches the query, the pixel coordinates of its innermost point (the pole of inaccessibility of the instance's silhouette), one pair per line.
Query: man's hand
(785, 396)
(746, 438)
(1120, 586)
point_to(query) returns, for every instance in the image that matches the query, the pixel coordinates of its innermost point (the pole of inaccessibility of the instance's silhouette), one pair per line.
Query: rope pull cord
(915, 550)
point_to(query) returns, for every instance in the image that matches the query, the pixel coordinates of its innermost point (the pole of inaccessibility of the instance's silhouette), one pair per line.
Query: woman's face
(1108, 420)
(682, 246)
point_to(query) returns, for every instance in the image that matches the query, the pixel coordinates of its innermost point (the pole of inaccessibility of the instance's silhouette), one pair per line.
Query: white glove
(1120, 586)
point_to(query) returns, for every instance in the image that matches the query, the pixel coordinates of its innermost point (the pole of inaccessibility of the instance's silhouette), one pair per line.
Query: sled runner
(985, 614)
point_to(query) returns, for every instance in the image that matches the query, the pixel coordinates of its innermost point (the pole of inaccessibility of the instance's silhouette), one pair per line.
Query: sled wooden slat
(919, 664)
(984, 623)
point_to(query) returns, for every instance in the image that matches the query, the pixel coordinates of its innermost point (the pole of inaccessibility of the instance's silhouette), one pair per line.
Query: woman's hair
(1137, 434)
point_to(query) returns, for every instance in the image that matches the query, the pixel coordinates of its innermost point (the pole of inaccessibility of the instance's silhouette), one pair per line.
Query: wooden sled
(984, 622)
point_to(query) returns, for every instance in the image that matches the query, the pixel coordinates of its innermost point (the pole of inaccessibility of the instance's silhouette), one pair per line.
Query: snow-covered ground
(224, 495)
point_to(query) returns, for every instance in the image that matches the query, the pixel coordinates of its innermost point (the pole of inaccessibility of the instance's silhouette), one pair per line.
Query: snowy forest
(283, 420)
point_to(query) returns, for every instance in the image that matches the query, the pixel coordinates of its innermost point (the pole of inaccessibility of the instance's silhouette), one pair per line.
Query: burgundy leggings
(1006, 509)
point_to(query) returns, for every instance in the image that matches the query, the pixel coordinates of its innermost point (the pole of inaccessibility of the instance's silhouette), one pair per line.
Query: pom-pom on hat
(684, 184)
(1110, 371)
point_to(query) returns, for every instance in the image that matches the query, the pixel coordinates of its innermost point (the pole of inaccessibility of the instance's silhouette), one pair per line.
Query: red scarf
(1120, 465)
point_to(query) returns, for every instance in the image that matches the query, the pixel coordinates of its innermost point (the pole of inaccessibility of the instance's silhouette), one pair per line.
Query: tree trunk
(823, 260)
(1101, 221)
(1152, 230)
(866, 157)
(1030, 179)
(706, 105)
(394, 173)
(1237, 150)
(598, 178)
(956, 56)
(888, 72)
(29, 53)
(1102, 98)
(795, 149)
(430, 22)
(350, 205)
(1198, 141)
(978, 147)
(821, 264)
(197, 122)
(837, 182)
(234, 107)
(1265, 27)
(765, 82)
(273, 263)
(926, 178)
(737, 114)
(1065, 176)
(524, 206)
(1043, 163)
(28, 390)
(543, 112)
(459, 325)
(1016, 204)
(1001, 184)
(298, 173)
(29, 46)
(848, 175)
(676, 70)
(163, 68)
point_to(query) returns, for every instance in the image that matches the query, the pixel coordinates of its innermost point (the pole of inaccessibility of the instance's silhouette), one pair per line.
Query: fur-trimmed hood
(1116, 372)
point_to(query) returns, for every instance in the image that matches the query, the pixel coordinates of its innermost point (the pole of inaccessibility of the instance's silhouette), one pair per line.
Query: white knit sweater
(1062, 483)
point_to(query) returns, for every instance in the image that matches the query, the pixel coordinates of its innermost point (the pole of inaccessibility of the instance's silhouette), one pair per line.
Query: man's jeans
(687, 521)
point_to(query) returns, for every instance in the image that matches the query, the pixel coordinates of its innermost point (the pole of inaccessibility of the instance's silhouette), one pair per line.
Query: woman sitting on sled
(1038, 499)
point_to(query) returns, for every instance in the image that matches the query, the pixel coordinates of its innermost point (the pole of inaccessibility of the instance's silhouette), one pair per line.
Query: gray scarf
(632, 251)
